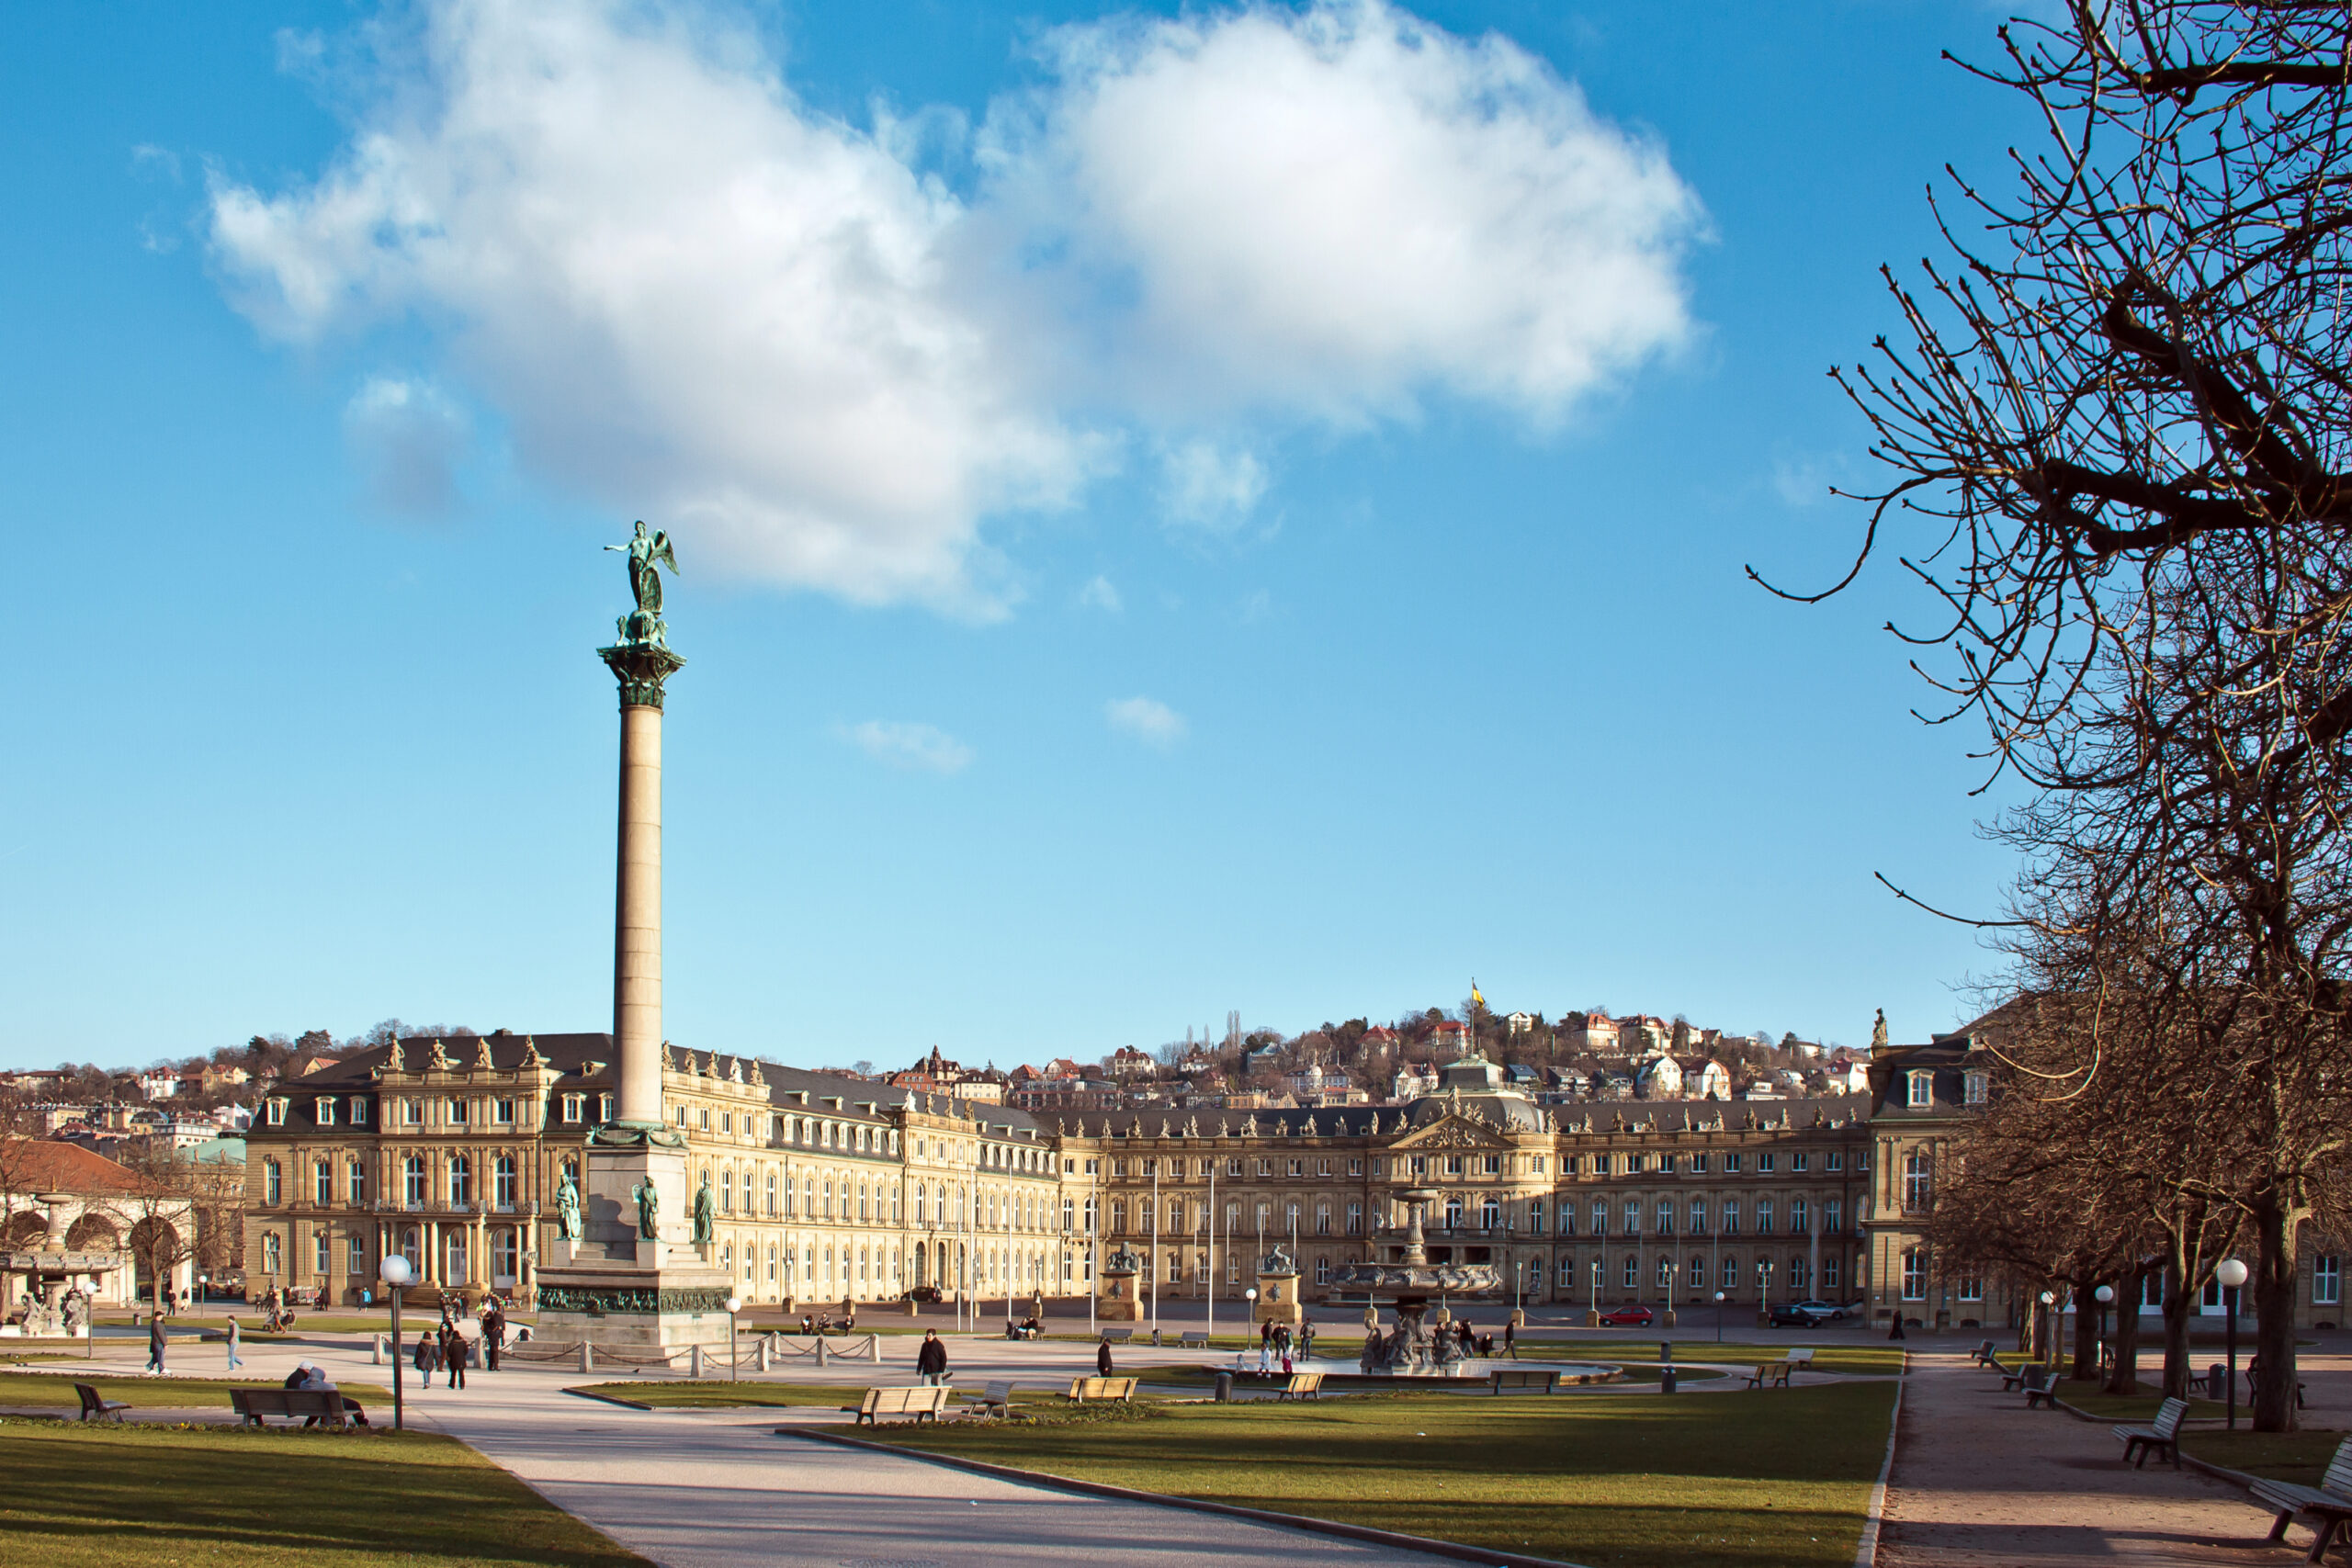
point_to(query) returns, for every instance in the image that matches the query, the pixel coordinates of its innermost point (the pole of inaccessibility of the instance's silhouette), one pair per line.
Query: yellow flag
(1475, 999)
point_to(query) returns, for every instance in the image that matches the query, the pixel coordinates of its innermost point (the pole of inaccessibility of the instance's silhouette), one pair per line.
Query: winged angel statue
(647, 552)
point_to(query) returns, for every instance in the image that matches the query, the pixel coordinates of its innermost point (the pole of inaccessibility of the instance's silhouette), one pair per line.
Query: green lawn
(2300, 1457)
(57, 1389)
(2091, 1399)
(664, 1394)
(1782, 1477)
(101, 1495)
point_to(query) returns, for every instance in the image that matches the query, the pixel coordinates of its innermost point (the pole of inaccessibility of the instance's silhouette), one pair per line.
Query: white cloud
(1100, 594)
(902, 745)
(408, 438)
(1208, 486)
(693, 297)
(1149, 720)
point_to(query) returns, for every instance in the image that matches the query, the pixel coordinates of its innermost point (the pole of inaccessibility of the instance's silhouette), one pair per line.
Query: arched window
(1490, 1214)
(861, 1211)
(922, 1194)
(322, 1185)
(829, 1197)
(726, 1191)
(273, 1187)
(356, 1183)
(1730, 1275)
(273, 1252)
(1697, 1273)
(461, 1181)
(771, 1259)
(508, 1180)
(1453, 1213)
(771, 1196)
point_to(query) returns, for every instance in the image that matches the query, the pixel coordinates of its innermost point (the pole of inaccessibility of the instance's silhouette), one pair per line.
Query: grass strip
(2299, 1457)
(1644, 1481)
(46, 1389)
(97, 1496)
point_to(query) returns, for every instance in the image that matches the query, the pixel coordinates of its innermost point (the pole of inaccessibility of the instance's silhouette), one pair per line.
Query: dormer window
(1973, 1088)
(359, 1110)
(276, 1113)
(1922, 1089)
(324, 1112)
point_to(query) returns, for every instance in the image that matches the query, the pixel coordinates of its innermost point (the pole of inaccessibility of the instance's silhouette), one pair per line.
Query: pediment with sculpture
(1453, 1131)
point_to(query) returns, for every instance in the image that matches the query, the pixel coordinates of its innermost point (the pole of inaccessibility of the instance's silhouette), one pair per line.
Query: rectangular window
(1536, 1164)
(1800, 1160)
(1972, 1089)
(1600, 1217)
(1833, 1211)
(357, 1180)
(1632, 1217)
(504, 1112)
(1914, 1276)
(1666, 1216)
(574, 1105)
(1698, 1216)
(1763, 1216)
(1699, 1165)
(1419, 1164)
(1972, 1288)
(1494, 1164)
(1829, 1272)
(356, 1248)
(1922, 1094)
(322, 1255)
(1666, 1164)
(323, 1185)
(2327, 1280)
(1731, 1164)
(359, 1111)
(1633, 1163)
(603, 1108)
(325, 1110)
(1764, 1163)
(1355, 1167)
(705, 1120)
(276, 1113)
(1731, 1216)
(412, 1114)
(1535, 1217)
(1453, 1164)
(1632, 1278)
(270, 1181)
(456, 1113)
(1796, 1216)
(1568, 1164)
(1355, 1218)
(1837, 1159)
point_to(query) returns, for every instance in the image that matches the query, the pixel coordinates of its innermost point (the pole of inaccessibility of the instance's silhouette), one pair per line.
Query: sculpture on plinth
(567, 1207)
(649, 1210)
(647, 553)
(705, 1224)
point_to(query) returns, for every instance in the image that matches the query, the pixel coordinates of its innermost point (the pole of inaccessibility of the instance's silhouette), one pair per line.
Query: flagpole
(1209, 1223)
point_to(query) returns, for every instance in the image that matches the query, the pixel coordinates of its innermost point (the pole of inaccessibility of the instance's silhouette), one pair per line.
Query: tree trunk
(2125, 1378)
(2086, 1367)
(2273, 1284)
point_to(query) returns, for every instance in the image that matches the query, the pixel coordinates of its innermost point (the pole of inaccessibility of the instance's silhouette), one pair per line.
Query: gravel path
(1980, 1481)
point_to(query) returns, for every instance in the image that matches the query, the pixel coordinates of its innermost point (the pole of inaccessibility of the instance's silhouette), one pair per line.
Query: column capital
(640, 668)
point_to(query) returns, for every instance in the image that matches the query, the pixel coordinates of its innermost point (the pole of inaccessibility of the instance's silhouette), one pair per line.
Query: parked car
(1797, 1314)
(921, 1293)
(1828, 1310)
(1636, 1316)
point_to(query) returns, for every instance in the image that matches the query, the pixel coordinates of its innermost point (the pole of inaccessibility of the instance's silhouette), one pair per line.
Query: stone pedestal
(1277, 1300)
(617, 1290)
(1119, 1297)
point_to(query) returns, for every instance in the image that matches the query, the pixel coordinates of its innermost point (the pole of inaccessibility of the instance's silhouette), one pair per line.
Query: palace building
(825, 1188)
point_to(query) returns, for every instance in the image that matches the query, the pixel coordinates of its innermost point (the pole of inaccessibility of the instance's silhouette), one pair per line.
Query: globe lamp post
(2231, 1272)
(396, 1273)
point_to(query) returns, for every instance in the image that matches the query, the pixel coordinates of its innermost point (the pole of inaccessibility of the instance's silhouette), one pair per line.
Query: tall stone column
(640, 668)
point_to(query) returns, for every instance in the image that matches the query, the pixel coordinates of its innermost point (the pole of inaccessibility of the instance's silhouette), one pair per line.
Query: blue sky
(1180, 510)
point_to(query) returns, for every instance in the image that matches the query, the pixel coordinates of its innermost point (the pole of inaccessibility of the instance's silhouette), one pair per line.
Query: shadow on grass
(82, 1497)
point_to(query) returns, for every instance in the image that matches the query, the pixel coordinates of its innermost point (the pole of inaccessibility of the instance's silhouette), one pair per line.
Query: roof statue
(531, 1057)
(392, 1063)
(440, 1058)
(482, 1057)
(647, 553)
(1878, 1032)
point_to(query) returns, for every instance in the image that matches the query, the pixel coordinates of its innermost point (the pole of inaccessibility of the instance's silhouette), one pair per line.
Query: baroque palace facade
(826, 1189)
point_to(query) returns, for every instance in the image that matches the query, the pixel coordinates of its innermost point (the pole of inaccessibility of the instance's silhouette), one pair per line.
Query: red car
(1629, 1317)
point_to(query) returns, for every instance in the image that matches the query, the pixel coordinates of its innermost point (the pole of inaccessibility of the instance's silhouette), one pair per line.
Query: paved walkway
(1980, 1481)
(720, 1490)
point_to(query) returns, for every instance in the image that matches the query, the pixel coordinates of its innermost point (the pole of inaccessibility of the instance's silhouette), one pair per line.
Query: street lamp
(2048, 1328)
(1719, 1318)
(396, 1273)
(2103, 1295)
(734, 1305)
(2231, 1272)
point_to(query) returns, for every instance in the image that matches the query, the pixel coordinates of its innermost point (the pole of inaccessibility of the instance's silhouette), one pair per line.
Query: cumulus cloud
(408, 438)
(1100, 594)
(1205, 485)
(689, 296)
(1149, 720)
(916, 746)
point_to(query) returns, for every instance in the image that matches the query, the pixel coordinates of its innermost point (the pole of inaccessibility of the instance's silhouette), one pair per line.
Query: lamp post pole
(2049, 1329)
(395, 1271)
(734, 1305)
(2103, 1295)
(2231, 1274)
(1719, 1318)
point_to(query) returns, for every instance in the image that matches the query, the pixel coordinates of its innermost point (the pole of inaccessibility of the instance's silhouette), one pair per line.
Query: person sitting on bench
(313, 1377)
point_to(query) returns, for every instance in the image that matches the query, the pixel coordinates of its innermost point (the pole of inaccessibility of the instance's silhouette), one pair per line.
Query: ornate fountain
(54, 1305)
(1409, 1349)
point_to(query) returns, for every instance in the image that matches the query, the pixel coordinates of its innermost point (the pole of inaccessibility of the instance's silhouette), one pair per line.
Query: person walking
(1103, 1357)
(453, 1351)
(931, 1361)
(428, 1355)
(493, 1336)
(157, 1342)
(235, 1360)
(1510, 1340)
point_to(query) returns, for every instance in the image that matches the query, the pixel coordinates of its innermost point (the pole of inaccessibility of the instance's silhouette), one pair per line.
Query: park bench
(2164, 1433)
(1521, 1381)
(253, 1406)
(996, 1399)
(1020, 1331)
(2040, 1384)
(2254, 1380)
(1192, 1339)
(1771, 1374)
(1081, 1390)
(2328, 1505)
(1118, 1335)
(2012, 1377)
(1303, 1385)
(922, 1404)
(1983, 1356)
(96, 1409)
(1799, 1357)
